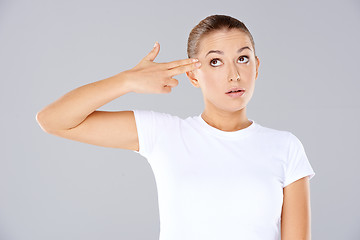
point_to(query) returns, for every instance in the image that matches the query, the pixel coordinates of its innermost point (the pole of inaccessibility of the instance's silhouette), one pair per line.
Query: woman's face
(233, 57)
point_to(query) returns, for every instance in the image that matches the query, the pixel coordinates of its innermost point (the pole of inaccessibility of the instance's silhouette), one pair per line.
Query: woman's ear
(257, 66)
(192, 77)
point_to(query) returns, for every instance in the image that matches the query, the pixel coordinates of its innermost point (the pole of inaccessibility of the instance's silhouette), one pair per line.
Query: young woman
(219, 175)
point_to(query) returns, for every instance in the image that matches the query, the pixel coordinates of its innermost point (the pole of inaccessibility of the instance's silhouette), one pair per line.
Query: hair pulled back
(211, 24)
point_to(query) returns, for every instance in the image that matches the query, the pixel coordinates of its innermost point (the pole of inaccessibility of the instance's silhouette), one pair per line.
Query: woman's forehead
(225, 39)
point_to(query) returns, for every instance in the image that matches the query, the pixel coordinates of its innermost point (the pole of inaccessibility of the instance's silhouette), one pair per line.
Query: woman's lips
(236, 94)
(235, 89)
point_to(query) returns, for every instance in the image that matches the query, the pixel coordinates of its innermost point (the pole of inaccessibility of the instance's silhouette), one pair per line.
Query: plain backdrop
(55, 188)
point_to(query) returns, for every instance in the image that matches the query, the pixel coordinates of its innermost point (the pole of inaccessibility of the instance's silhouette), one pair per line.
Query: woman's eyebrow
(221, 52)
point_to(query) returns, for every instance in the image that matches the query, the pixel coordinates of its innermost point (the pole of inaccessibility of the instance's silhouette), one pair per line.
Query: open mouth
(240, 90)
(236, 91)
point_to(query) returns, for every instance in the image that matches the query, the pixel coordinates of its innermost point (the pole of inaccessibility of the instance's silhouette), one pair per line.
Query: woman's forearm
(72, 108)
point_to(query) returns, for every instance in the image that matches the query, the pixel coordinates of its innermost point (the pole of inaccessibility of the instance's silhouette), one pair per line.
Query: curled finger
(172, 82)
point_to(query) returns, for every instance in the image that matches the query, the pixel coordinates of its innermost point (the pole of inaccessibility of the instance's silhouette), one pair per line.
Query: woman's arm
(147, 76)
(71, 109)
(296, 211)
(74, 115)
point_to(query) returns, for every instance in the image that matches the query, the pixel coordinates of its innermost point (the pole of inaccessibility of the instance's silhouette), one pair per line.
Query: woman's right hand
(150, 77)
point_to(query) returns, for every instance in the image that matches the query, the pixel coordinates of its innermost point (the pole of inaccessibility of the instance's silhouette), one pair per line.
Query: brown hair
(211, 24)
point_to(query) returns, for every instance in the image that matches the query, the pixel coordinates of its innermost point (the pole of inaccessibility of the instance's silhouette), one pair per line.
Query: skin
(229, 114)
(296, 211)
(222, 111)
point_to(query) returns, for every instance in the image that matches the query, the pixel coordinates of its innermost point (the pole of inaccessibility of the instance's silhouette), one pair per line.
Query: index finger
(184, 68)
(178, 63)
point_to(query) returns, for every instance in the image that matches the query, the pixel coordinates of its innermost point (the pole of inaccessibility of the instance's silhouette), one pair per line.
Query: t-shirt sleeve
(297, 165)
(145, 125)
(151, 125)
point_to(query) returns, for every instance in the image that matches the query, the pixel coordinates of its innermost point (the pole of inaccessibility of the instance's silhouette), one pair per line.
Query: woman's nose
(234, 74)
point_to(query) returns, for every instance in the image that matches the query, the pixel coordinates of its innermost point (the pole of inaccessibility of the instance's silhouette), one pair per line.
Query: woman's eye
(214, 62)
(242, 57)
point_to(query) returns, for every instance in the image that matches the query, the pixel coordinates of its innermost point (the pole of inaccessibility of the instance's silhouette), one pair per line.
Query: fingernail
(195, 60)
(155, 44)
(198, 64)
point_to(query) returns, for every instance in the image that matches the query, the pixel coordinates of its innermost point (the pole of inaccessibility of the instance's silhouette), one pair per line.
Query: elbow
(40, 120)
(38, 117)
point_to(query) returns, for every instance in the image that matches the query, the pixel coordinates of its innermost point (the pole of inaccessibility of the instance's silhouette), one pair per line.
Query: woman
(219, 175)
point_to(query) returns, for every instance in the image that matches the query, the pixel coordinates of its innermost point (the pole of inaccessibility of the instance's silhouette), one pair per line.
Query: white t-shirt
(215, 185)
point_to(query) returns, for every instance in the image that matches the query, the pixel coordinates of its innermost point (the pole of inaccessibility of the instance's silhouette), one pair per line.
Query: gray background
(55, 188)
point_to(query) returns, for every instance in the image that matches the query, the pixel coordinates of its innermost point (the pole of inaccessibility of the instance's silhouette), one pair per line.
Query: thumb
(153, 53)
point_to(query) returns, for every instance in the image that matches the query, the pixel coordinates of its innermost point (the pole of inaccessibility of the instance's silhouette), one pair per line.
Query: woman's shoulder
(154, 113)
(274, 134)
